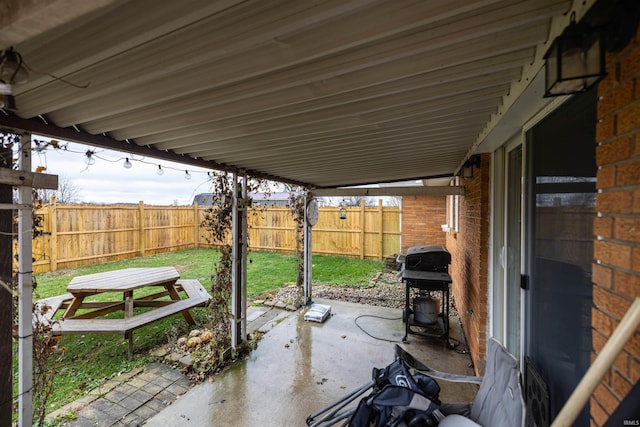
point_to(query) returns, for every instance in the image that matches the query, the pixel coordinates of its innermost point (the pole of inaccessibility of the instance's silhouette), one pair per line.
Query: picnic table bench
(123, 281)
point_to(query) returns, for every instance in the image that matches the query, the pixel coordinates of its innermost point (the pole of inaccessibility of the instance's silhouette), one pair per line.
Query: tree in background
(356, 200)
(68, 192)
(395, 201)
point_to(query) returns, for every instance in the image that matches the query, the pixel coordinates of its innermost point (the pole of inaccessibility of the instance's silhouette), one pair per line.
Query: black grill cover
(428, 258)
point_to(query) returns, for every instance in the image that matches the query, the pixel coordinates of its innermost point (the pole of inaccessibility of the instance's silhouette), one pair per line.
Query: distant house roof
(264, 199)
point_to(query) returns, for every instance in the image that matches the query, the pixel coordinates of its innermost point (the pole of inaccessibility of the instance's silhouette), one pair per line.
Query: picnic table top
(122, 280)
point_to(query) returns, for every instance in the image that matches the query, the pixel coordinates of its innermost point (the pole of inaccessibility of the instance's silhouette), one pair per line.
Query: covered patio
(300, 367)
(347, 93)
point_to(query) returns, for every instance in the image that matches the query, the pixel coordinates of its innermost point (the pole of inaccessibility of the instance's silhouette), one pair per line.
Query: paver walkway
(135, 396)
(130, 399)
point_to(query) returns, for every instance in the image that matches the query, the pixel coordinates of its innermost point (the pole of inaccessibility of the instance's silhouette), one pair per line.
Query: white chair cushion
(456, 420)
(499, 401)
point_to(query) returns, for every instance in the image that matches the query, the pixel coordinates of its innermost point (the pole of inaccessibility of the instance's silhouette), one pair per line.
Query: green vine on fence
(217, 223)
(47, 354)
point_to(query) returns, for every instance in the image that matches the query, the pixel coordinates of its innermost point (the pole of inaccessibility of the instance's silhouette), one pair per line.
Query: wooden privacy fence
(74, 235)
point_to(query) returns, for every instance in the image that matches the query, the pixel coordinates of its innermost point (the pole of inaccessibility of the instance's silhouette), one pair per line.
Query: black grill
(427, 258)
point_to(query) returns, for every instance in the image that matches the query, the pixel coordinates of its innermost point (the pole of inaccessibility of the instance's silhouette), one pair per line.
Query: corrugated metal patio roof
(323, 93)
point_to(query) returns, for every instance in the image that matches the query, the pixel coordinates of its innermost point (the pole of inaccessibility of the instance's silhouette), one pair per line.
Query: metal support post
(307, 257)
(243, 257)
(235, 289)
(25, 292)
(239, 262)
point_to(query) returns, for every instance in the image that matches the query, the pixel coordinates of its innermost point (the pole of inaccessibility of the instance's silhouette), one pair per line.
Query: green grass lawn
(88, 360)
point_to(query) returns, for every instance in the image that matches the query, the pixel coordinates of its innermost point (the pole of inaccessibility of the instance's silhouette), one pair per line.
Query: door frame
(498, 291)
(497, 326)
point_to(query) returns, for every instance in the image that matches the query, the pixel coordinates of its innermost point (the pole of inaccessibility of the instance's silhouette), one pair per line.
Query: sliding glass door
(513, 251)
(560, 201)
(507, 195)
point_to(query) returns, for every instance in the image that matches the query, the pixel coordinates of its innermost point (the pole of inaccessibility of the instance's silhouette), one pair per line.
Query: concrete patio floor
(300, 367)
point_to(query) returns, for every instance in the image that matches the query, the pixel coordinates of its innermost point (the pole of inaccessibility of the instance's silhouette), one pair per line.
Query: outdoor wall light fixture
(12, 71)
(467, 168)
(343, 212)
(127, 163)
(575, 61)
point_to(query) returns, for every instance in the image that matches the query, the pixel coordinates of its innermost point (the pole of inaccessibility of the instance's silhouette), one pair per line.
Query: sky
(107, 181)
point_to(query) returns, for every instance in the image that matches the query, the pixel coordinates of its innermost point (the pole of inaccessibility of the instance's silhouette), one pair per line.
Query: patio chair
(499, 401)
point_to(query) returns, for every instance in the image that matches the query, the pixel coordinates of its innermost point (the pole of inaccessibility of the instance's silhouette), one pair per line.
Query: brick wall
(616, 271)
(469, 260)
(422, 217)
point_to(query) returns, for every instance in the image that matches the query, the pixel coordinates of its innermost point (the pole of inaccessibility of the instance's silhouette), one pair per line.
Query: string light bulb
(186, 175)
(127, 163)
(160, 171)
(89, 160)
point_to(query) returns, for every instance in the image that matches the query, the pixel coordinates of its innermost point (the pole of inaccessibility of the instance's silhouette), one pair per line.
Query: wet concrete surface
(300, 367)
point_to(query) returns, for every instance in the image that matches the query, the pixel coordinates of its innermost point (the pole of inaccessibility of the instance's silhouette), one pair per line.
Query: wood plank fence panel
(272, 229)
(88, 234)
(391, 231)
(168, 228)
(76, 235)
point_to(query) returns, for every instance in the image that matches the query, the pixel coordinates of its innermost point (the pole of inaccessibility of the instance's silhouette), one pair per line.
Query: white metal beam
(440, 190)
(28, 178)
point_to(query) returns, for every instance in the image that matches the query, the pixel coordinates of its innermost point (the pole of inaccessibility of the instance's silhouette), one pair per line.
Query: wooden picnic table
(124, 281)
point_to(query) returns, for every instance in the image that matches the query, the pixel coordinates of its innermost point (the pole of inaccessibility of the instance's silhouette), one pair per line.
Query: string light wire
(42, 148)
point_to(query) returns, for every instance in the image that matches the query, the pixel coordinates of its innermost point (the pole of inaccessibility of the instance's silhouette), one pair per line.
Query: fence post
(362, 229)
(328, 242)
(141, 242)
(53, 242)
(196, 225)
(381, 226)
